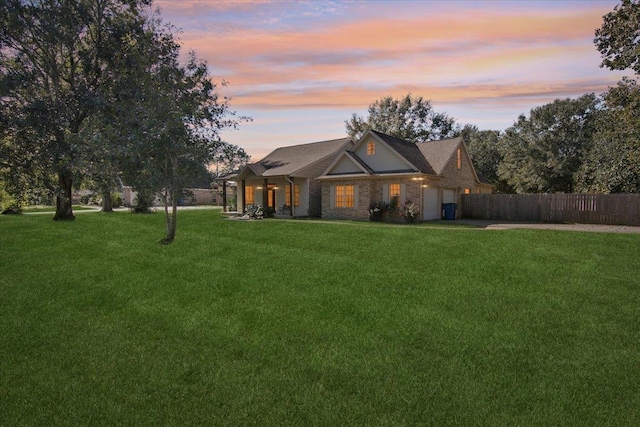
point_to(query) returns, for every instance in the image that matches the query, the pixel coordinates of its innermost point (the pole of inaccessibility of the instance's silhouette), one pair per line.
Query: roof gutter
(379, 175)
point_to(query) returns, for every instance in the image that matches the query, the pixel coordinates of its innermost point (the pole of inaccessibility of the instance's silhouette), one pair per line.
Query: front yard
(307, 323)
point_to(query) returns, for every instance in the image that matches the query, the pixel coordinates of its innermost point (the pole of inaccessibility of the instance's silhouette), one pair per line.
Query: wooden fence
(617, 209)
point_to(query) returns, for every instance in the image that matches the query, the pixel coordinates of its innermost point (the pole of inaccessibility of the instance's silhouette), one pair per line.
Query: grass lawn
(306, 323)
(52, 209)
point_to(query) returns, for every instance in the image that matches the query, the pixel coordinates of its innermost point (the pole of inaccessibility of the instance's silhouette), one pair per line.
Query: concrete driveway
(506, 225)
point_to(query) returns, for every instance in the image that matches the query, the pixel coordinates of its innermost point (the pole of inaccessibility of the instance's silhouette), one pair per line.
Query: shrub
(411, 211)
(116, 200)
(377, 211)
(12, 210)
(394, 204)
(6, 201)
(142, 204)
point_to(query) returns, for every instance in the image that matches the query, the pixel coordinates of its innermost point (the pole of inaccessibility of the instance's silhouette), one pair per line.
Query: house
(379, 168)
(286, 179)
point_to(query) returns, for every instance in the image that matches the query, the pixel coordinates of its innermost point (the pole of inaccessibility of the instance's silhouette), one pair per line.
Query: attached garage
(431, 205)
(448, 195)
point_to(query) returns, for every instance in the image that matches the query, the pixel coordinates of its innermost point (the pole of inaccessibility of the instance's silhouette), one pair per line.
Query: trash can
(449, 211)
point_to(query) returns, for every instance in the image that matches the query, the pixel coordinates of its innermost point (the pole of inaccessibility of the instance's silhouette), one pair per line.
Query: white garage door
(431, 208)
(448, 196)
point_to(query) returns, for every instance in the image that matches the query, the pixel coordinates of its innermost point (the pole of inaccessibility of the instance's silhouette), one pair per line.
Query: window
(344, 196)
(459, 159)
(296, 195)
(248, 196)
(394, 191)
(271, 195)
(371, 148)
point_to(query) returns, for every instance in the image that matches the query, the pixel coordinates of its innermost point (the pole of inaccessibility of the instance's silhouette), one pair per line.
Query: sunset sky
(301, 68)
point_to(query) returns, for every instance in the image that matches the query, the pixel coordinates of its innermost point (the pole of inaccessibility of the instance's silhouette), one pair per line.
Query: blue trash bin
(449, 210)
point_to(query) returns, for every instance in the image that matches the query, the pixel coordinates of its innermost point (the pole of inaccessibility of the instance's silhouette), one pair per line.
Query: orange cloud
(492, 56)
(401, 49)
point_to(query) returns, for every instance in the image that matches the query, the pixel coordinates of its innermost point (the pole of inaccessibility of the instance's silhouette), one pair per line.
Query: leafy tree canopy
(169, 123)
(542, 153)
(613, 162)
(484, 150)
(227, 158)
(58, 59)
(618, 40)
(409, 118)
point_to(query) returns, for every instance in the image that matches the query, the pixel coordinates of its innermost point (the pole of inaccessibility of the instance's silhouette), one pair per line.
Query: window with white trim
(344, 196)
(371, 148)
(296, 195)
(394, 191)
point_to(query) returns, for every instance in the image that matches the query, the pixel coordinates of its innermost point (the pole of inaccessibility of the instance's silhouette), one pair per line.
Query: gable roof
(359, 162)
(438, 153)
(429, 157)
(408, 150)
(293, 159)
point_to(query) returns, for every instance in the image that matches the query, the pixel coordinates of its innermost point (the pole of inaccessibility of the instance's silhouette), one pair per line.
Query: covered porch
(284, 196)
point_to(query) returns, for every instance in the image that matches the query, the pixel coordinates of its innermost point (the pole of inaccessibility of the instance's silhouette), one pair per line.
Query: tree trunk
(64, 210)
(171, 218)
(107, 204)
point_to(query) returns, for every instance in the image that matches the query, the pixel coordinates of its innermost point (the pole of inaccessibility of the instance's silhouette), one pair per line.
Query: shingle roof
(409, 151)
(360, 162)
(289, 160)
(438, 153)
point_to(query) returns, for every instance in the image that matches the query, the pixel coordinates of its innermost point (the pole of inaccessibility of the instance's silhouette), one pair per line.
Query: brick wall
(359, 212)
(461, 179)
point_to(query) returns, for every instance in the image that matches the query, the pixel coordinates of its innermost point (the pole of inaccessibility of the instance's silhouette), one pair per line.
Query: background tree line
(587, 144)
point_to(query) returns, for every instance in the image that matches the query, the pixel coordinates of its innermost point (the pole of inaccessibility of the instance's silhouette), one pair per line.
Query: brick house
(381, 168)
(285, 180)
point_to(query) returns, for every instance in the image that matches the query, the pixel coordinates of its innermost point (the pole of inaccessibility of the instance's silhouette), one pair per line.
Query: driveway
(506, 225)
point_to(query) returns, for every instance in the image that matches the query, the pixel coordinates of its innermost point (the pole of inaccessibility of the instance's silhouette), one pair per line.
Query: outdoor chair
(285, 210)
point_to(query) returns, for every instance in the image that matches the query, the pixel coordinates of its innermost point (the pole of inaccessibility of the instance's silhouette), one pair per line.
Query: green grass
(308, 323)
(39, 208)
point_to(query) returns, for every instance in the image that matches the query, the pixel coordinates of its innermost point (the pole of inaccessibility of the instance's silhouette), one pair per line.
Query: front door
(271, 196)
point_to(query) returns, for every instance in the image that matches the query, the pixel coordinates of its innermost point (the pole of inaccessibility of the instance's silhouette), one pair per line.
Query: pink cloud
(500, 56)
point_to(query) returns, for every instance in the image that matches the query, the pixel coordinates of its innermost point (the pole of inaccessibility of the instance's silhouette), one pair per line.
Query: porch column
(224, 195)
(265, 193)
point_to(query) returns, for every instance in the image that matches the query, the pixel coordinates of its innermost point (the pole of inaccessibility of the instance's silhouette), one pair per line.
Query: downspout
(292, 192)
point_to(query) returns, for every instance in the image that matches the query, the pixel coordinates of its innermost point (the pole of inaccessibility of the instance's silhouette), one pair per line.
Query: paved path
(505, 225)
(89, 209)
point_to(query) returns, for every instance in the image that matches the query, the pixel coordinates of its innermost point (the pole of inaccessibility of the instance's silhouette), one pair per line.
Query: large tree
(618, 39)
(612, 165)
(170, 121)
(411, 118)
(484, 149)
(228, 158)
(542, 153)
(58, 58)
